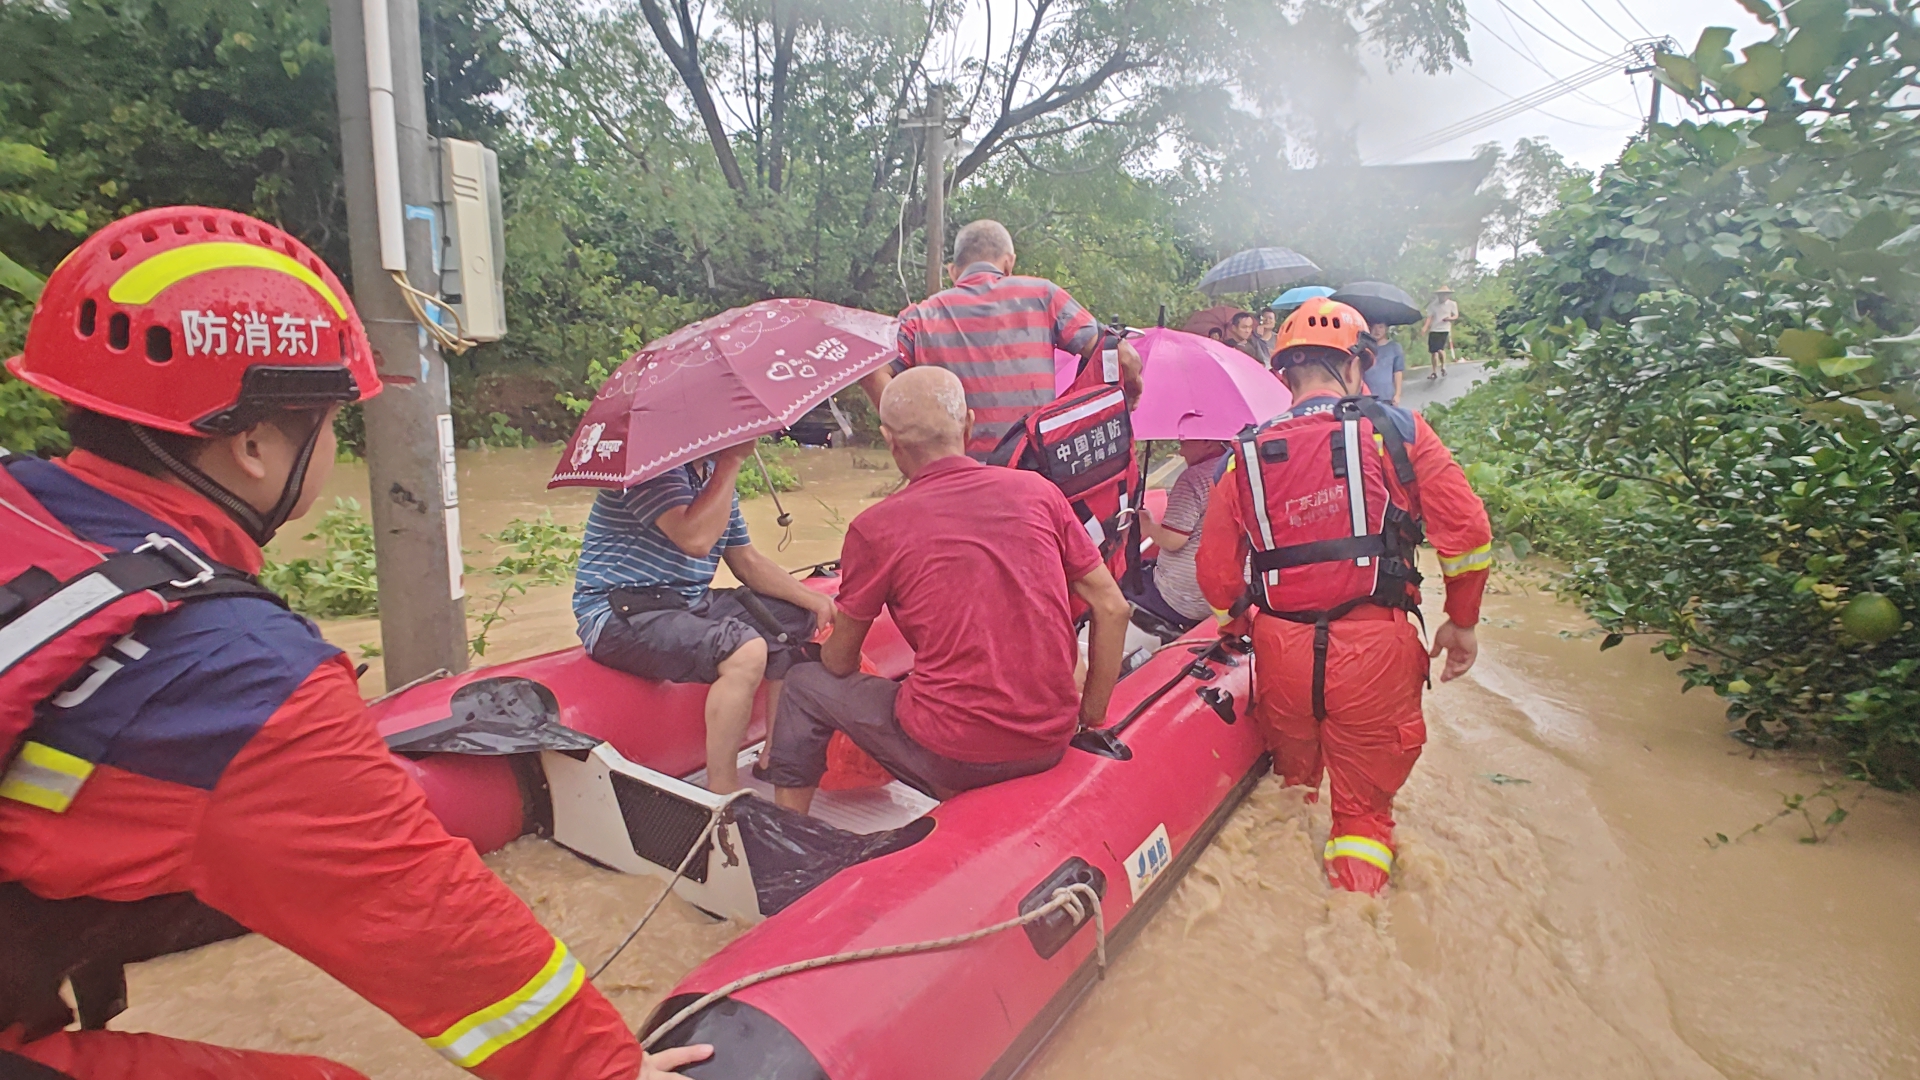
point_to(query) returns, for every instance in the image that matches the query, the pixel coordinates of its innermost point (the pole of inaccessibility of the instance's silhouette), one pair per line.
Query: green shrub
(339, 583)
(1717, 419)
(775, 452)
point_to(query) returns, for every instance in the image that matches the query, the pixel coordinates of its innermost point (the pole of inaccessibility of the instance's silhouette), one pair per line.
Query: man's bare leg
(796, 799)
(730, 710)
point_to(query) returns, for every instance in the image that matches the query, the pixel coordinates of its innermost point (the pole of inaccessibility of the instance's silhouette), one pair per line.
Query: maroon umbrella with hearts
(719, 382)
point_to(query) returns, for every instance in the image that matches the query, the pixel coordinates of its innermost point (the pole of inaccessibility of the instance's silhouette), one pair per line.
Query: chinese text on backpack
(1083, 442)
(1329, 533)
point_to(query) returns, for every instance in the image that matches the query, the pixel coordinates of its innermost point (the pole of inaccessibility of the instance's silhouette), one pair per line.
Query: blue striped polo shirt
(623, 546)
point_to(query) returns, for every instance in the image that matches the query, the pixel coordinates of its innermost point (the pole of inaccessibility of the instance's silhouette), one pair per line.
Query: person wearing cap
(1442, 313)
(1325, 505)
(213, 770)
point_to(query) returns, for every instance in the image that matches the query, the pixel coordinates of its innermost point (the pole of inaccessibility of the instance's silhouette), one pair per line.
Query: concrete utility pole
(410, 457)
(936, 134)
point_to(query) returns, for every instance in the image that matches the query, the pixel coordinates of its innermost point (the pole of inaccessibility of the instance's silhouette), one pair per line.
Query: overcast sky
(1521, 45)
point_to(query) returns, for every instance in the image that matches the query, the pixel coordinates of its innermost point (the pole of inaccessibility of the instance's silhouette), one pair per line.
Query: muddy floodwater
(1558, 910)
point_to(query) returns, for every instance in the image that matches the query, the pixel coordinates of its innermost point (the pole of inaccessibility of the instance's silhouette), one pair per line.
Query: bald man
(997, 332)
(977, 565)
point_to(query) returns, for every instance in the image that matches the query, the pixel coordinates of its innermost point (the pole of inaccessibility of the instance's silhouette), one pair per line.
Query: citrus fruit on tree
(1871, 617)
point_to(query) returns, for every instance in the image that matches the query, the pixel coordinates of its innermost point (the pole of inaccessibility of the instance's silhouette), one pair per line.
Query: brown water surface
(1557, 911)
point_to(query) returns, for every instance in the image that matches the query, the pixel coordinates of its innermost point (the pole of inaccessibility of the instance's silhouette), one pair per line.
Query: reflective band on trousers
(1362, 848)
(1478, 559)
(485, 1033)
(44, 777)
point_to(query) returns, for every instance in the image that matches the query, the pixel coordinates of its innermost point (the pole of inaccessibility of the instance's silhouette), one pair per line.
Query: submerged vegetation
(1714, 416)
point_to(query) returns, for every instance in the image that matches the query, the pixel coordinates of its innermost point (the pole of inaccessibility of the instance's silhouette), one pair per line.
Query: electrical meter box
(474, 252)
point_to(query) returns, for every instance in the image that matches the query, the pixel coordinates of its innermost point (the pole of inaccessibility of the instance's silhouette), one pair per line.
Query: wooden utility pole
(936, 144)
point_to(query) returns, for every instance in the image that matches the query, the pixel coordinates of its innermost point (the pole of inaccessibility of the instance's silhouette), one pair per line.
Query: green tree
(1720, 362)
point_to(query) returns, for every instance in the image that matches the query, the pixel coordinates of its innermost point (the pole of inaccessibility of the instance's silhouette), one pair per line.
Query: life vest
(1328, 531)
(1083, 443)
(67, 609)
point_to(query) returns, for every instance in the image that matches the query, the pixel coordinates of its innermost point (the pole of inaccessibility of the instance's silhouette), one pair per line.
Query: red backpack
(1329, 532)
(64, 604)
(1083, 442)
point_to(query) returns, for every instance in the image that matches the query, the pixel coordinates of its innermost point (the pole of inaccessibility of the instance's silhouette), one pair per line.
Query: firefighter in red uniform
(215, 767)
(1328, 501)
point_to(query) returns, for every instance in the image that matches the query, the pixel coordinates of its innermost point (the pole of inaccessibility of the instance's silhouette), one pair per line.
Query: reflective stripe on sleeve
(1479, 558)
(480, 1035)
(1362, 848)
(44, 777)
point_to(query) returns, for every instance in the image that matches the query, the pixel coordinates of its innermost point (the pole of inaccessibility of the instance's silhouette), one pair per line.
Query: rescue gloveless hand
(1461, 645)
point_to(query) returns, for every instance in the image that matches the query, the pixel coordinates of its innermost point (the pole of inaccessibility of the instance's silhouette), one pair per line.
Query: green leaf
(1678, 72)
(1812, 50)
(1521, 546)
(1834, 367)
(1764, 68)
(1710, 56)
(1780, 134)
(1606, 489)
(1762, 10)
(1839, 815)
(1807, 346)
(1611, 640)
(19, 278)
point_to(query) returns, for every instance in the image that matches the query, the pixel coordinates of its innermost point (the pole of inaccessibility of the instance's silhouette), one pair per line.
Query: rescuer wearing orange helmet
(207, 767)
(1329, 500)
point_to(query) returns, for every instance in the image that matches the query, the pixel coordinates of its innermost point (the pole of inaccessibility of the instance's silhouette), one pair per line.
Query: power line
(1577, 35)
(1635, 18)
(1557, 118)
(1603, 21)
(1528, 55)
(1637, 53)
(1551, 40)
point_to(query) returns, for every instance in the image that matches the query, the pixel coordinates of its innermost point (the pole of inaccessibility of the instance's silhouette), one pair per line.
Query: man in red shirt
(977, 565)
(997, 332)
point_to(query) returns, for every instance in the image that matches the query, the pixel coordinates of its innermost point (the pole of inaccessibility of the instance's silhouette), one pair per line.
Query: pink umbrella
(1196, 388)
(719, 382)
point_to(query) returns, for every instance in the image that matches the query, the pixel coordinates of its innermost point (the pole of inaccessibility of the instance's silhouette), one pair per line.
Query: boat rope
(1078, 899)
(706, 834)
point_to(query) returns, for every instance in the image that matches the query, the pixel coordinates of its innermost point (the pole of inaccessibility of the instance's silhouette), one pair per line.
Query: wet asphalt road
(1417, 391)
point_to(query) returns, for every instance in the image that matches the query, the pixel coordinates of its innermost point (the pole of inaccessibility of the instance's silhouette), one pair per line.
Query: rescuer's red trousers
(124, 1055)
(1372, 734)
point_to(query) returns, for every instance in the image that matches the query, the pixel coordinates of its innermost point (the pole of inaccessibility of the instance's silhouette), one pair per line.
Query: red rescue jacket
(1438, 498)
(228, 758)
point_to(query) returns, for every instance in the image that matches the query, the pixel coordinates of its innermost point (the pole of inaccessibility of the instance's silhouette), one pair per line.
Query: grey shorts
(688, 646)
(816, 703)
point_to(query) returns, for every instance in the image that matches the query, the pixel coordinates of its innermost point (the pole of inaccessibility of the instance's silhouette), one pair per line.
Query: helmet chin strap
(260, 527)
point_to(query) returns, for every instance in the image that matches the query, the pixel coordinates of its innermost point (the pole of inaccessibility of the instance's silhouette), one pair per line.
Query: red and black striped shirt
(997, 333)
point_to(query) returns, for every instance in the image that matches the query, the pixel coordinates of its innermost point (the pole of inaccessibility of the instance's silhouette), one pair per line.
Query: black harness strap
(1339, 549)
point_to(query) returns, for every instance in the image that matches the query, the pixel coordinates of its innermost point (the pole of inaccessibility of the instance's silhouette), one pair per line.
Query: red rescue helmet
(195, 321)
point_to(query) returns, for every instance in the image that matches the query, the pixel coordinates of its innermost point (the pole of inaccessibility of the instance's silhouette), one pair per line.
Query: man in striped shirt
(644, 599)
(997, 332)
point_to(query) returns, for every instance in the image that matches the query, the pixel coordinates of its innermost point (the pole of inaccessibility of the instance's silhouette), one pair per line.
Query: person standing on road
(216, 771)
(1388, 372)
(997, 332)
(1442, 313)
(1327, 501)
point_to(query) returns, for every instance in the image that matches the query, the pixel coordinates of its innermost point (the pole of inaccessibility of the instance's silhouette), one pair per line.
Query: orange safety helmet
(195, 321)
(1327, 323)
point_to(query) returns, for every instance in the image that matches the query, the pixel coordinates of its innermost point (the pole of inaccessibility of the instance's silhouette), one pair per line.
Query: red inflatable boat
(611, 771)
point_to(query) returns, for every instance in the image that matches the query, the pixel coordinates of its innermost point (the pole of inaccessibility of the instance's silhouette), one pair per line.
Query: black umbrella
(1379, 303)
(1256, 270)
